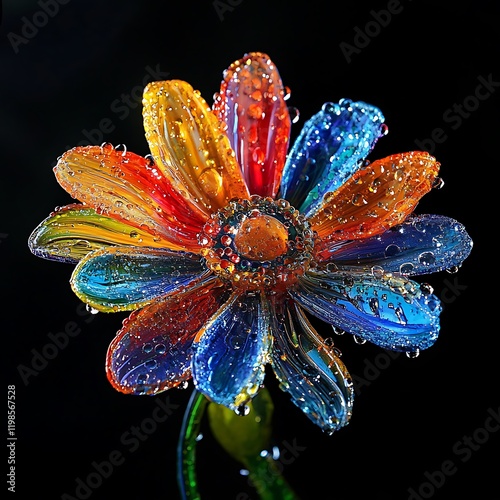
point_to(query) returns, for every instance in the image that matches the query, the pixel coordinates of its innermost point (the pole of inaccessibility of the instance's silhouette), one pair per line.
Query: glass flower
(225, 241)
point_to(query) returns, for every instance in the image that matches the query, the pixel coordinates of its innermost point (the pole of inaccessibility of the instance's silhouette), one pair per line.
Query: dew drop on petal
(242, 410)
(413, 354)
(91, 309)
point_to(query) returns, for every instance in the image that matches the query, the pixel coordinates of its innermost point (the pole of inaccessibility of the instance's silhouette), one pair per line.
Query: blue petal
(125, 278)
(329, 149)
(229, 358)
(421, 245)
(390, 311)
(310, 370)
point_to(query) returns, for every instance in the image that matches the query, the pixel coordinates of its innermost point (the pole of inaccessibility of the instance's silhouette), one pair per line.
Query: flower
(224, 240)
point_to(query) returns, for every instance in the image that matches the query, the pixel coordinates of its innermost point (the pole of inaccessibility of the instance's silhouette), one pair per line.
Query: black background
(410, 415)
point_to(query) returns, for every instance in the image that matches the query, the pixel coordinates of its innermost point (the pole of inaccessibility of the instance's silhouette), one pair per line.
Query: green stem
(186, 449)
(266, 478)
(264, 473)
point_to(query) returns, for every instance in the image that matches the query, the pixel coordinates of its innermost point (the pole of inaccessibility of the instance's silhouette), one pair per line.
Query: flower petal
(377, 197)
(422, 244)
(130, 189)
(152, 351)
(251, 103)
(189, 146)
(387, 310)
(231, 350)
(73, 231)
(310, 370)
(329, 149)
(126, 278)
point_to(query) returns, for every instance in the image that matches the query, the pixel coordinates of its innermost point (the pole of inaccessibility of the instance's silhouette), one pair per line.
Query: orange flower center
(261, 238)
(258, 243)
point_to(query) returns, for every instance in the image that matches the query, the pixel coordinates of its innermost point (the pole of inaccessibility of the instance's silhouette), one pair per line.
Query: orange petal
(377, 197)
(129, 188)
(188, 144)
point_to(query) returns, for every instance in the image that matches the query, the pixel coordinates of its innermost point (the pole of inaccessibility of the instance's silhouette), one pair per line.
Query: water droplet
(427, 258)
(160, 349)
(147, 348)
(90, 309)
(294, 114)
(359, 340)
(242, 410)
(122, 148)
(406, 268)
(373, 303)
(337, 330)
(413, 354)
(438, 183)
(426, 289)
(392, 250)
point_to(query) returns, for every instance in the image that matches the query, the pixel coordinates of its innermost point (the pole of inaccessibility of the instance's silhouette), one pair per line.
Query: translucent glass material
(310, 370)
(422, 244)
(130, 189)
(231, 350)
(152, 352)
(330, 147)
(251, 103)
(391, 312)
(124, 278)
(190, 147)
(377, 197)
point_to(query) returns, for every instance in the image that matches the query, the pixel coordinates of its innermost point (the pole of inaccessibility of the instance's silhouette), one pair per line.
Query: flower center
(258, 243)
(261, 238)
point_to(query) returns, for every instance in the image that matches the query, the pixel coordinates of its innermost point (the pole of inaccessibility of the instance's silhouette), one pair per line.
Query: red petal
(252, 104)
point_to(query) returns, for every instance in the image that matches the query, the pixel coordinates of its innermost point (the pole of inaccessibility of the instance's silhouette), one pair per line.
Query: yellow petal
(189, 146)
(73, 231)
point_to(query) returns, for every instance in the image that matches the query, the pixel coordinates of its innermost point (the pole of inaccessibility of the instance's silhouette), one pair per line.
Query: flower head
(224, 240)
